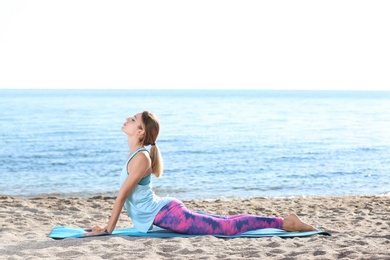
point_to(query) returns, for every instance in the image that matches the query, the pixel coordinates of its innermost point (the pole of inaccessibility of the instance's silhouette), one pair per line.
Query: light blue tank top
(142, 204)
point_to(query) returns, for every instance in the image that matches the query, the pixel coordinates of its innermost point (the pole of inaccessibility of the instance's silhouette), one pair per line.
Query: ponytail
(157, 162)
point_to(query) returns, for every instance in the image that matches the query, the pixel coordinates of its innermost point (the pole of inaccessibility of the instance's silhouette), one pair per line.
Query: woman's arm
(137, 169)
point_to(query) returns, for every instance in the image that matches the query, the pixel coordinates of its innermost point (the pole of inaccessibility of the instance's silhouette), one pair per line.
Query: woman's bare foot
(292, 222)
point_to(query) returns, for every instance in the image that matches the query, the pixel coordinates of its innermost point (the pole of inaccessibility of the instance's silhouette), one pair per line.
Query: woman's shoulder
(142, 157)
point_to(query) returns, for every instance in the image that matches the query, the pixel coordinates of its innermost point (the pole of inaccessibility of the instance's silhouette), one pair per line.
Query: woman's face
(132, 125)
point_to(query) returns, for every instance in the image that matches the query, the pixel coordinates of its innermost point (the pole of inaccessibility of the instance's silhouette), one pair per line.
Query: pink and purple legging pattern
(175, 216)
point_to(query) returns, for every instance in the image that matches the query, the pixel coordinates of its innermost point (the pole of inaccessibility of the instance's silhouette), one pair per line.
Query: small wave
(367, 149)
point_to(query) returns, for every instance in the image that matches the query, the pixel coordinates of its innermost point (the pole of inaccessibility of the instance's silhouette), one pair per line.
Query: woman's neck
(133, 145)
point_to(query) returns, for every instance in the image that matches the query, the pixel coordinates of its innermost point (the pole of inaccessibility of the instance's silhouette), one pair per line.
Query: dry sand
(360, 228)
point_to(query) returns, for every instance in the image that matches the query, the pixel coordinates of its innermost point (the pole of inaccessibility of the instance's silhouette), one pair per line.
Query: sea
(215, 143)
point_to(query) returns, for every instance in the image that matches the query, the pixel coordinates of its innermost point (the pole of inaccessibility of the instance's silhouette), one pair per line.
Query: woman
(146, 209)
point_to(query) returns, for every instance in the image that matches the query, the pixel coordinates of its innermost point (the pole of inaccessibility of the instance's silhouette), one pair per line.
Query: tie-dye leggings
(175, 216)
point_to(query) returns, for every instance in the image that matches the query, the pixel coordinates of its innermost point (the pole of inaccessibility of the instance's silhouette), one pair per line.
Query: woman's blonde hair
(151, 127)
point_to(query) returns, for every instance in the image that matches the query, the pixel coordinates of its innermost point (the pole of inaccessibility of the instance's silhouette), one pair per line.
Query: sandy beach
(360, 227)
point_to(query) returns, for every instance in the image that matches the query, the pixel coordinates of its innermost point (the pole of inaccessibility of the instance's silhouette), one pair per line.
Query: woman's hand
(96, 230)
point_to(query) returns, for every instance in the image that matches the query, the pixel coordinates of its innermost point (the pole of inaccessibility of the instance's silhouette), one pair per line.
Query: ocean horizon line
(198, 89)
(210, 93)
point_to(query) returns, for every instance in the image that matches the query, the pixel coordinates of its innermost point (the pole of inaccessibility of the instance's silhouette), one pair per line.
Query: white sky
(195, 44)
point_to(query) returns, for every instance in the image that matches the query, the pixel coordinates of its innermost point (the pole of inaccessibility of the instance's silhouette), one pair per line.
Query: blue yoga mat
(61, 232)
